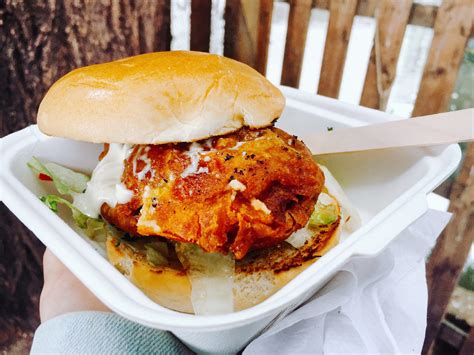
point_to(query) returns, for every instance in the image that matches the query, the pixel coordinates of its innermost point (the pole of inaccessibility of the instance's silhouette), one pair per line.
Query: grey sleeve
(102, 333)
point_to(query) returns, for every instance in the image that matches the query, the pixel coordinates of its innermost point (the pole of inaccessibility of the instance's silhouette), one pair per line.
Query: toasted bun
(257, 277)
(159, 98)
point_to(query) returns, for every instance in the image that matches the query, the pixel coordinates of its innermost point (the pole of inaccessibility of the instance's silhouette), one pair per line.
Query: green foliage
(467, 279)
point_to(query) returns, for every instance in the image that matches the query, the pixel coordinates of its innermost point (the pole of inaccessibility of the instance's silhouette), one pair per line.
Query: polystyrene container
(388, 188)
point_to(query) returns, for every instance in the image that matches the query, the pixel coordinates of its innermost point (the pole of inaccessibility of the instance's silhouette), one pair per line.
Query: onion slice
(212, 279)
(349, 214)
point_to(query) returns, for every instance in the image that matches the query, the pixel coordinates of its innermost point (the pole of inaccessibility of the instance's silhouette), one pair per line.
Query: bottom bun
(258, 276)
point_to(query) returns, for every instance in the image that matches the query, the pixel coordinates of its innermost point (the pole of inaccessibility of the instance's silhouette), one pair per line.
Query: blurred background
(406, 57)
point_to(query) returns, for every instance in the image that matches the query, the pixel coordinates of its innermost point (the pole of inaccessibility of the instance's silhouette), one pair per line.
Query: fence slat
(452, 28)
(392, 18)
(241, 25)
(298, 21)
(200, 25)
(423, 15)
(468, 345)
(420, 15)
(367, 7)
(452, 248)
(264, 27)
(339, 30)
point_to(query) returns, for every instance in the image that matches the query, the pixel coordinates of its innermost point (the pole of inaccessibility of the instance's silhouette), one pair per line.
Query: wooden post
(41, 41)
(298, 21)
(263, 41)
(341, 17)
(200, 25)
(452, 248)
(452, 29)
(392, 18)
(241, 26)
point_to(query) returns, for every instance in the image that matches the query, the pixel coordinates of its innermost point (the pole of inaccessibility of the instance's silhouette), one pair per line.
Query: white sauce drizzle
(237, 185)
(194, 153)
(260, 206)
(208, 143)
(238, 145)
(144, 220)
(134, 161)
(143, 157)
(105, 185)
(150, 223)
(203, 170)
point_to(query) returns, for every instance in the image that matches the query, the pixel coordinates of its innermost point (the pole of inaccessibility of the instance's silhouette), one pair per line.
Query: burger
(197, 198)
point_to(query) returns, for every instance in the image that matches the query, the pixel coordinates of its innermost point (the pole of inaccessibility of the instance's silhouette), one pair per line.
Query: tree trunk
(39, 42)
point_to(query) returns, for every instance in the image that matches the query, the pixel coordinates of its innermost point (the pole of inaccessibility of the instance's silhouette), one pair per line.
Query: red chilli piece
(44, 177)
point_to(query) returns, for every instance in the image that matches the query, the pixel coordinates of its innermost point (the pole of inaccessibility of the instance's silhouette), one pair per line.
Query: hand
(62, 292)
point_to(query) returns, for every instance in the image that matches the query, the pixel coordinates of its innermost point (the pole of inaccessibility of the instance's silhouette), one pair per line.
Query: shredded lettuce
(69, 182)
(66, 181)
(93, 228)
(325, 212)
(350, 218)
(96, 229)
(52, 202)
(323, 217)
(157, 253)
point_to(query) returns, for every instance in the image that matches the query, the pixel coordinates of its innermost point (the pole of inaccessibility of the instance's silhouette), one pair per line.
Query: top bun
(159, 98)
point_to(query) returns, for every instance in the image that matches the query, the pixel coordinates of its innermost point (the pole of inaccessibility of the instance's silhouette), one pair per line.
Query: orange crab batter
(246, 190)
